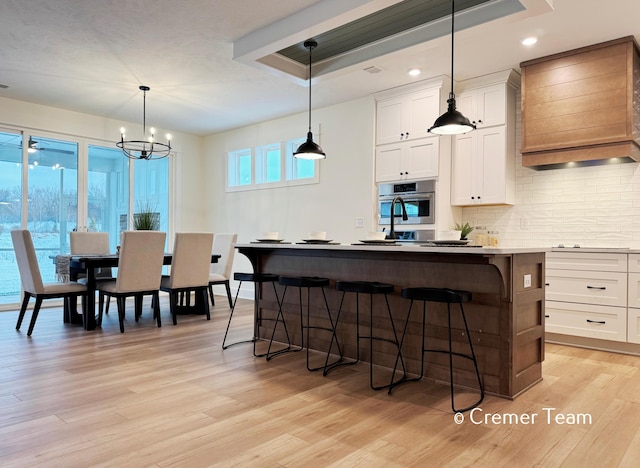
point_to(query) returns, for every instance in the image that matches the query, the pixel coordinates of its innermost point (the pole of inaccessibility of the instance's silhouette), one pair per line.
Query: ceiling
(213, 65)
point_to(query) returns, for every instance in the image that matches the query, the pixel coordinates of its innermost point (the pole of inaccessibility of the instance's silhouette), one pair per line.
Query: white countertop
(398, 248)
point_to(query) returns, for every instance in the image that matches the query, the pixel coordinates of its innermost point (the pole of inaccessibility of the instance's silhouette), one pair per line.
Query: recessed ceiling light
(529, 41)
(414, 72)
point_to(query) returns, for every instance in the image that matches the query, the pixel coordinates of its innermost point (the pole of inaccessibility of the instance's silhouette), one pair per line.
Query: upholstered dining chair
(32, 279)
(220, 272)
(189, 269)
(91, 243)
(139, 273)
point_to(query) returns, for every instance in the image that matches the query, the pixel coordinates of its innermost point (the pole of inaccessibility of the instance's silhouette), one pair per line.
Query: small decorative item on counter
(465, 229)
(493, 238)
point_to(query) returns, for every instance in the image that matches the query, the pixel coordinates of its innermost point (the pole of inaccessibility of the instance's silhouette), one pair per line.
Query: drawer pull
(546, 316)
(601, 288)
(601, 322)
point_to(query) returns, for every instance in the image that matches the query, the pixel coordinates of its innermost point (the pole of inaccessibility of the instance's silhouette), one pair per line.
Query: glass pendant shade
(451, 122)
(309, 149)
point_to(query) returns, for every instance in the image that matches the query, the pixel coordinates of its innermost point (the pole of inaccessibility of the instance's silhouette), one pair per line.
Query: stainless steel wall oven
(419, 201)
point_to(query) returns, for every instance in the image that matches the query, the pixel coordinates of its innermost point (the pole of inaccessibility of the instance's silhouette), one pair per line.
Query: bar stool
(256, 279)
(448, 296)
(301, 282)
(372, 288)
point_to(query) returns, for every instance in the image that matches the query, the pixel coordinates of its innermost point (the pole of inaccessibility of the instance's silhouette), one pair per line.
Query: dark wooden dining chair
(32, 283)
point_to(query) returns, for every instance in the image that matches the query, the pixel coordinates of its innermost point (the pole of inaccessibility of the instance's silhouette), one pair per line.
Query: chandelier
(144, 149)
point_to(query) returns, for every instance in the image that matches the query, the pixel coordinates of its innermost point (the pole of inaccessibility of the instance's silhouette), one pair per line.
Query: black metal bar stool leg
(449, 297)
(256, 279)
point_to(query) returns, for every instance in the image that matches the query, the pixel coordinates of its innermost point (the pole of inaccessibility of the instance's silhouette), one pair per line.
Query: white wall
(597, 206)
(346, 189)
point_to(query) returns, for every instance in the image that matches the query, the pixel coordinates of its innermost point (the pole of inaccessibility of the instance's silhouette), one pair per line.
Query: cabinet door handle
(547, 284)
(601, 322)
(401, 135)
(407, 134)
(546, 316)
(601, 288)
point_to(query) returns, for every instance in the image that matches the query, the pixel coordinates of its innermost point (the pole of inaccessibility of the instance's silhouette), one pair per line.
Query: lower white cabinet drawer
(589, 287)
(591, 321)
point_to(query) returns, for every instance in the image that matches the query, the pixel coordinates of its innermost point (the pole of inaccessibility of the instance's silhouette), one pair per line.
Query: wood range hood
(582, 106)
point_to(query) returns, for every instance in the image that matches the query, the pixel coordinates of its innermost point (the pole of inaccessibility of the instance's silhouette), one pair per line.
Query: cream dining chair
(139, 273)
(189, 270)
(91, 243)
(32, 279)
(220, 273)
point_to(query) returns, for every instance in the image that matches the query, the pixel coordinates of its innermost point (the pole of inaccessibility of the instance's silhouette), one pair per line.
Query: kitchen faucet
(392, 232)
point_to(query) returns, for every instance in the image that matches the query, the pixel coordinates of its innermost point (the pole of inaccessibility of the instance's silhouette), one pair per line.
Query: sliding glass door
(71, 185)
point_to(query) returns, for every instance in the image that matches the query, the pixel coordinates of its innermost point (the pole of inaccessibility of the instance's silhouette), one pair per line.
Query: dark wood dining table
(89, 264)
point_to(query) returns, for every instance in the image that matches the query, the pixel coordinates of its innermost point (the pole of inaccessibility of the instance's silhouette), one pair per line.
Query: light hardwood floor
(171, 397)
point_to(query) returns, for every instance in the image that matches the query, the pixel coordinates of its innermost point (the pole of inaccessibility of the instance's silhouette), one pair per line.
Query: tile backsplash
(595, 206)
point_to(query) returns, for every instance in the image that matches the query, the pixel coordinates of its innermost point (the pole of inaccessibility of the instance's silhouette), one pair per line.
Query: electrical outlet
(524, 224)
(359, 223)
(527, 281)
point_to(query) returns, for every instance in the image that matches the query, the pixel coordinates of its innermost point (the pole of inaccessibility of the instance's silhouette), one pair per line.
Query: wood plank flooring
(170, 397)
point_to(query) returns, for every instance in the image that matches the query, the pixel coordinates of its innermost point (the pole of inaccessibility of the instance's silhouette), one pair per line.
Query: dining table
(90, 264)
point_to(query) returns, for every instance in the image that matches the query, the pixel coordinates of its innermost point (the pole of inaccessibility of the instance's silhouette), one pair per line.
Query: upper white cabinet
(406, 117)
(480, 169)
(405, 150)
(485, 106)
(408, 160)
(484, 160)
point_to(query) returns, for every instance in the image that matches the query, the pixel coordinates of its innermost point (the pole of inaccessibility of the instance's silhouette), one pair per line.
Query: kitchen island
(506, 315)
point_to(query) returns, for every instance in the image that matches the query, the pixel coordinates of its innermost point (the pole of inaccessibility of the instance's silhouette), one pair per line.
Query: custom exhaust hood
(578, 107)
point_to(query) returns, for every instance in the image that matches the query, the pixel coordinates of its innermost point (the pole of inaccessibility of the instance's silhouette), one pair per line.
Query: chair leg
(101, 306)
(210, 290)
(138, 306)
(121, 301)
(228, 288)
(23, 309)
(173, 304)
(155, 299)
(34, 317)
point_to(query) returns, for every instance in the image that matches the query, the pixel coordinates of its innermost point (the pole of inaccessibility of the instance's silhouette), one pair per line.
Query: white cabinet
(586, 294)
(484, 160)
(406, 117)
(408, 160)
(482, 172)
(485, 106)
(633, 313)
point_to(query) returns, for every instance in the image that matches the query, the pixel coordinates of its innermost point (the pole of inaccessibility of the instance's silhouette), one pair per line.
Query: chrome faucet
(392, 232)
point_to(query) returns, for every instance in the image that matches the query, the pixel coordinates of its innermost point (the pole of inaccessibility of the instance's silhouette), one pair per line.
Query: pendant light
(452, 122)
(144, 149)
(309, 149)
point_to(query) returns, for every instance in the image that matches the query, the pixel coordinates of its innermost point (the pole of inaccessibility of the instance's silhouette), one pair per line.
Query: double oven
(419, 201)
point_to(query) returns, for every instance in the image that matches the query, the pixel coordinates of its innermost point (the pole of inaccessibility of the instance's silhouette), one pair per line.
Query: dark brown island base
(505, 316)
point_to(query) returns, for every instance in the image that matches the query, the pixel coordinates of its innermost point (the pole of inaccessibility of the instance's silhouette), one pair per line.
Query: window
(273, 165)
(268, 164)
(299, 168)
(239, 170)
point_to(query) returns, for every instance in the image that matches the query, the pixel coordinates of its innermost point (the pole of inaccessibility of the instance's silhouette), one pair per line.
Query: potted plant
(465, 229)
(146, 219)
